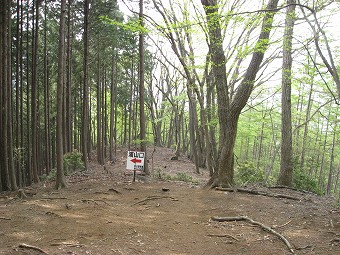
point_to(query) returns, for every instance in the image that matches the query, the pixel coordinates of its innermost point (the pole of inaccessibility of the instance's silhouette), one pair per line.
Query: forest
(247, 90)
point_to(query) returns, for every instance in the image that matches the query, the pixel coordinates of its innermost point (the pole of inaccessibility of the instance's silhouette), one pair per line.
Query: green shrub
(301, 180)
(184, 177)
(247, 172)
(73, 162)
(50, 177)
(159, 174)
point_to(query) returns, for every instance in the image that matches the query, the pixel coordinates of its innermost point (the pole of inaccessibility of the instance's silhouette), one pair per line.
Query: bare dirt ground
(103, 212)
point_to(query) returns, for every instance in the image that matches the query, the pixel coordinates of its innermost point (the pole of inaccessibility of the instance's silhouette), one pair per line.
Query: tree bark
(286, 166)
(113, 107)
(85, 106)
(4, 85)
(141, 87)
(229, 111)
(46, 101)
(331, 164)
(60, 180)
(11, 169)
(35, 152)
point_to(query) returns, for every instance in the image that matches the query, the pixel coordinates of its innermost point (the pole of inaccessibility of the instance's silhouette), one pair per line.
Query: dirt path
(103, 212)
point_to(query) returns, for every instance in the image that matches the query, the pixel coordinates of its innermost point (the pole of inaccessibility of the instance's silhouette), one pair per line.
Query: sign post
(135, 162)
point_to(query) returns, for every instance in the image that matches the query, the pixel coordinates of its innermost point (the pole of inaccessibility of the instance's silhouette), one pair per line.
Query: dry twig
(283, 225)
(270, 230)
(4, 218)
(27, 246)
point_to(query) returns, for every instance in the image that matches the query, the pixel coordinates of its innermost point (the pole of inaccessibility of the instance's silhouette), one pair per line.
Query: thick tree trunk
(229, 111)
(4, 85)
(28, 169)
(141, 87)
(85, 106)
(68, 88)
(18, 100)
(35, 151)
(286, 166)
(11, 169)
(47, 131)
(60, 180)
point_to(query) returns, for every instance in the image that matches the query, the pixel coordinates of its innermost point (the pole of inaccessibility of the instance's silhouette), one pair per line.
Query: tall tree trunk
(35, 165)
(305, 131)
(23, 181)
(192, 126)
(4, 85)
(11, 169)
(286, 166)
(46, 101)
(85, 109)
(18, 101)
(112, 107)
(323, 152)
(68, 97)
(229, 111)
(141, 87)
(28, 148)
(60, 180)
(105, 117)
(99, 114)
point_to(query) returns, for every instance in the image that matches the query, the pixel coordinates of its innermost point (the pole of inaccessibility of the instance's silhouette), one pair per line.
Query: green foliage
(132, 25)
(301, 180)
(184, 177)
(247, 172)
(159, 174)
(50, 177)
(73, 162)
(261, 46)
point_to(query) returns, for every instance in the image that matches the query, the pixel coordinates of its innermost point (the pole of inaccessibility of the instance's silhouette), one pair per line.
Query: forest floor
(103, 212)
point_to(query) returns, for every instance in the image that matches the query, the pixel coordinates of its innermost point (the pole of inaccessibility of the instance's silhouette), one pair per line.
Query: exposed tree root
(214, 182)
(27, 246)
(260, 193)
(21, 194)
(154, 198)
(291, 188)
(270, 230)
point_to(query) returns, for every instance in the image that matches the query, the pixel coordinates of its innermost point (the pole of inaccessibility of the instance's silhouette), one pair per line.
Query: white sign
(135, 160)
